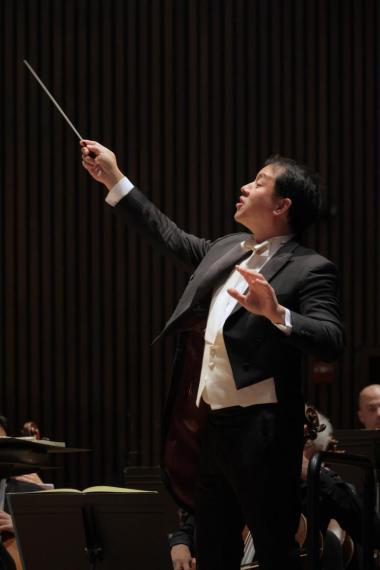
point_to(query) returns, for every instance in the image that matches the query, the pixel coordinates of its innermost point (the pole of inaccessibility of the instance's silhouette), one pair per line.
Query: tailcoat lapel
(278, 261)
(219, 270)
(203, 280)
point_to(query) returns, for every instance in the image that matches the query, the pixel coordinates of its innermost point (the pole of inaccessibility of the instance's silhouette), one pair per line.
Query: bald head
(369, 406)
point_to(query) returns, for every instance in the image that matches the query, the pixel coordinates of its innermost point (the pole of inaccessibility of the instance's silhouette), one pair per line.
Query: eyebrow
(262, 175)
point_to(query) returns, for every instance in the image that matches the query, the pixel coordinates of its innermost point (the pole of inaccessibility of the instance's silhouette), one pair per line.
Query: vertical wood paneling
(227, 122)
(192, 96)
(2, 183)
(369, 163)
(156, 172)
(9, 218)
(21, 237)
(376, 146)
(298, 72)
(205, 102)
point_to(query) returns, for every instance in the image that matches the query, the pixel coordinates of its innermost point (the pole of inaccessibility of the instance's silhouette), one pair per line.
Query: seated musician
(181, 543)
(17, 484)
(26, 477)
(9, 555)
(338, 501)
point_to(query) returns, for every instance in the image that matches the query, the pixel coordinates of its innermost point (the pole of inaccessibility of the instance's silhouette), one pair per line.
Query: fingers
(89, 160)
(183, 564)
(5, 522)
(181, 557)
(253, 278)
(101, 163)
(30, 478)
(95, 153)
(250, 274)
(245, 271)
(6, 527)
(91, 166)
(180, 565)
(91, 148)
(90, 151)
(236, 295)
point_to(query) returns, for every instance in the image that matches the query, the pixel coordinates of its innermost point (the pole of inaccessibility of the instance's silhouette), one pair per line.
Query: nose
(244, 190)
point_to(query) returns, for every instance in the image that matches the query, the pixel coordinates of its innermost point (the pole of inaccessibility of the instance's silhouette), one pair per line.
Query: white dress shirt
(217, 386)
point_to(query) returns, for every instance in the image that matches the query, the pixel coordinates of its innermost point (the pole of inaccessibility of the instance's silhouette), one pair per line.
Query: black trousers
(249, 474)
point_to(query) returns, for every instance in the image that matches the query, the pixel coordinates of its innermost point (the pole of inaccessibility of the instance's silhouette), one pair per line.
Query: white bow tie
(250, 244)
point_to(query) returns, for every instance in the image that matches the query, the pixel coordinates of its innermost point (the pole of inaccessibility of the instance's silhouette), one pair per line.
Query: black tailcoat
(305, 282)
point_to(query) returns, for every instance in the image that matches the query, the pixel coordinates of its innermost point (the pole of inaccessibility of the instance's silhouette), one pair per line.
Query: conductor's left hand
(260, 299)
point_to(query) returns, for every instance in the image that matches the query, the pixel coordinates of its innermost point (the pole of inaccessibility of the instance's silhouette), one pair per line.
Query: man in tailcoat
(255, 305)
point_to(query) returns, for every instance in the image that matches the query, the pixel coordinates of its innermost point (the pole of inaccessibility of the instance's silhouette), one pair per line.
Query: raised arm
(134, 207)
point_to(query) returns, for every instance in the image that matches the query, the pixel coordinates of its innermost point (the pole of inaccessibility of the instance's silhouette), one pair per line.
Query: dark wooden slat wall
(192, 95)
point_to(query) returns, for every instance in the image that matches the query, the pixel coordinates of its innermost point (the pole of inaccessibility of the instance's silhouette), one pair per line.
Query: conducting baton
(92, 154)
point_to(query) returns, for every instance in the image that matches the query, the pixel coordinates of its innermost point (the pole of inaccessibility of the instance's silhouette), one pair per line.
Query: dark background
(192, 95)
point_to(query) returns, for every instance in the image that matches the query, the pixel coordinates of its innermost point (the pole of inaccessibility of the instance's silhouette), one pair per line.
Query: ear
(282, 207)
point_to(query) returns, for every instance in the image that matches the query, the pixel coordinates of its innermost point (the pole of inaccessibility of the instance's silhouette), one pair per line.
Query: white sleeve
(121, 189)
(287, 327)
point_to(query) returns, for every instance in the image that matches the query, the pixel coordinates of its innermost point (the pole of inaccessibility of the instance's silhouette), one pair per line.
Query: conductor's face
(258, 202)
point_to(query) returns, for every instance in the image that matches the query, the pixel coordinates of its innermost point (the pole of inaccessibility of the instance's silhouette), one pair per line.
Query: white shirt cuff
(287, 327)
(121, 189)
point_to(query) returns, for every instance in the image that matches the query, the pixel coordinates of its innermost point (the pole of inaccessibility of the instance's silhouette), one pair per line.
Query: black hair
(302, 186)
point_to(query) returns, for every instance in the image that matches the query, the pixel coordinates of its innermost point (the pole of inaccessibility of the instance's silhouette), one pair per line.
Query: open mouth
(240, 203)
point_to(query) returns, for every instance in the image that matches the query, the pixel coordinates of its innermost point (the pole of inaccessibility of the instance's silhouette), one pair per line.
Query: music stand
(364, 442)
(20, 456)
(84, 531)
(361, 441)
